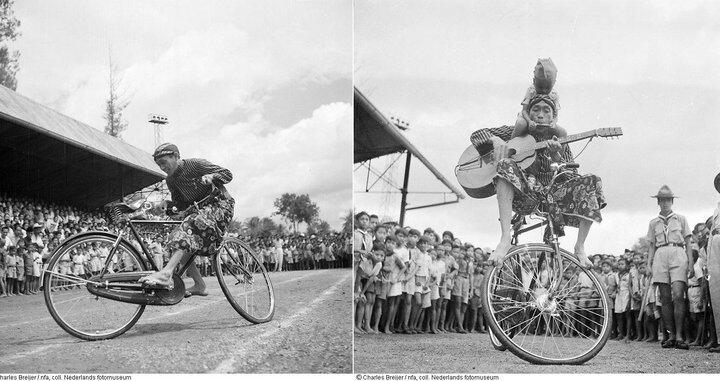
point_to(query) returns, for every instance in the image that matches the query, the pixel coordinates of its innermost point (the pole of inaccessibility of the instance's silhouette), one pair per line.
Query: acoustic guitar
(476, 168)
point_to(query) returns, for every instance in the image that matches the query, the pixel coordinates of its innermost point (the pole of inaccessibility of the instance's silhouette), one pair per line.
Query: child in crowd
(422, 284)
(636, 276)
(3, 286)
(393, 270)
(609, 280)
(36, 268)
(11, 271)
(437, 269)
(372, 268)
(476, 313)
(367, 271)
(411, 302)
(78, 260)
(460, 291)
(622, 300)
(20, 270)
(448, 284)
(695, 298)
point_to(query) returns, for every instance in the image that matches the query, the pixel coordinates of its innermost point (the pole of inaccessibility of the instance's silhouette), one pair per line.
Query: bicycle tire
(251, 262)
(495, 342)
(92, 236)
(527, 355)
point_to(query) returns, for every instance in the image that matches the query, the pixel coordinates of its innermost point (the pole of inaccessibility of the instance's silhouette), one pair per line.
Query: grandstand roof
(376, 135)
(46, 154)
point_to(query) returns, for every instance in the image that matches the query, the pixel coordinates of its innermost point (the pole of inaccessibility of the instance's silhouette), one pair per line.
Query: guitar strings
(477, 162)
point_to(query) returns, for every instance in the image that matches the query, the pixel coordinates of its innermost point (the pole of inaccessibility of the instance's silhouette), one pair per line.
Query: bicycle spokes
(245, 281)
(550, 308)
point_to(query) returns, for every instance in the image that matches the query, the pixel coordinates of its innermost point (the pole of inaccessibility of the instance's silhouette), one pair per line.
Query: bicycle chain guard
(123, 287)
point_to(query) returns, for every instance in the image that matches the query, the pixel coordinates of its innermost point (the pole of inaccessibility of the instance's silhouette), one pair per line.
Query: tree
(319, 227)
(263, 227)
(348, 222)
(295, 209)
(8, 32)
(642, 245)
(114, 105)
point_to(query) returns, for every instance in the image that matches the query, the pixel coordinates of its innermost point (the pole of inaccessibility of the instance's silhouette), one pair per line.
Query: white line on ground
(227, 365)
(31, 352)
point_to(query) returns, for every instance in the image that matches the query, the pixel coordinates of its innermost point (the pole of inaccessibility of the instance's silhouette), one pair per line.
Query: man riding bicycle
(201, 231)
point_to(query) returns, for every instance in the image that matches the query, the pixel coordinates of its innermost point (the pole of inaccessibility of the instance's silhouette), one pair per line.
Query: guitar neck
(568, 139)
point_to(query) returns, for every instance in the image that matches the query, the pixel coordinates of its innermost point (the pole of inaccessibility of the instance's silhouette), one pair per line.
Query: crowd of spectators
(30, 230)
(293, 252)
(412, 282)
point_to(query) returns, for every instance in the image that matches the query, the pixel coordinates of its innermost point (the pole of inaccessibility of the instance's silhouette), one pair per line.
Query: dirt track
(473, 353)
(309, 334)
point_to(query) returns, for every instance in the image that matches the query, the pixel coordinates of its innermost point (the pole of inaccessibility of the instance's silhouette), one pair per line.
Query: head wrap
(165, 149)
(547, 98)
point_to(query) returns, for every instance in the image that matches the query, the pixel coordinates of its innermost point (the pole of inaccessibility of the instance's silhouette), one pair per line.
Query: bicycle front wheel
(546, 308)
(245, 281)
(74, 308)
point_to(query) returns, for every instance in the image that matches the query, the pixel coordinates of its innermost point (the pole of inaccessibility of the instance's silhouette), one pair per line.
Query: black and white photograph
(536, 187)
(176, 193)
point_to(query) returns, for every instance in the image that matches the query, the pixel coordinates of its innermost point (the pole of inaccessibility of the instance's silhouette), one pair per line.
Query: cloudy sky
(262, 88)
(649, 67)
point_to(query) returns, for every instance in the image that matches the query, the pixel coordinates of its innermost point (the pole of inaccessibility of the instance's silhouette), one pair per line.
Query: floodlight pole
(404, 190)
(157, 121)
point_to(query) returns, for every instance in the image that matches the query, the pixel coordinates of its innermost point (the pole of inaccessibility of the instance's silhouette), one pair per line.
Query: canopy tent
(47, 155)
(375, 135)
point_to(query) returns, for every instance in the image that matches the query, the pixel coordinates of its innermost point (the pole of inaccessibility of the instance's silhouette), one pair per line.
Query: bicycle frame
(145, 252)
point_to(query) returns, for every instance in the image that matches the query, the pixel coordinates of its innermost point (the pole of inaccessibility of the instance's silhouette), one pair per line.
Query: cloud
(312, 156)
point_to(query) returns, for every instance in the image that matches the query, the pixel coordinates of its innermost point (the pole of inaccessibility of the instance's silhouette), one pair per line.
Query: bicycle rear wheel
(73, 307)
(545, 308)
(245, 281)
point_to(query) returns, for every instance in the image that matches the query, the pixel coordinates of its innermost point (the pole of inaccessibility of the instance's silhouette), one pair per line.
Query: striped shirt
(540, 168)
(185, 183)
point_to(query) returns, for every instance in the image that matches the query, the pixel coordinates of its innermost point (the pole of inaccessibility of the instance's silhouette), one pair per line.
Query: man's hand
(690, 270)
(500, 148)
(554, 145)
(207, 179)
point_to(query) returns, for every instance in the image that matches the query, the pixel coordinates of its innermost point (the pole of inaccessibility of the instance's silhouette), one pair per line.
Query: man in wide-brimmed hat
(670, 263)
(713, 266)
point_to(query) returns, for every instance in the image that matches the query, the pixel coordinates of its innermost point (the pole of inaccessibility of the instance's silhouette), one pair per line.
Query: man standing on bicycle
(202, 229)
(579, 198)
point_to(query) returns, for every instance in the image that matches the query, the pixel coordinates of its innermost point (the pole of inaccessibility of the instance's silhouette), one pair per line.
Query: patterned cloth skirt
(198, 234)
(579, 197)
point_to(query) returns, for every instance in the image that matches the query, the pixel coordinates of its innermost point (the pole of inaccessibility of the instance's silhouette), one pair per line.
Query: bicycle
(109, 302)
(540, 303)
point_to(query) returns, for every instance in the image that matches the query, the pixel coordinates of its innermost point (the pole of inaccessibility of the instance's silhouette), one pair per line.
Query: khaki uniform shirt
(671, 229)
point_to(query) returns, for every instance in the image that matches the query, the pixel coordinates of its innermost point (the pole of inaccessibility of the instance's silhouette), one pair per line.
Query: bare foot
(500, 252)
(160, 278)
(582, 258)
(196, 290)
